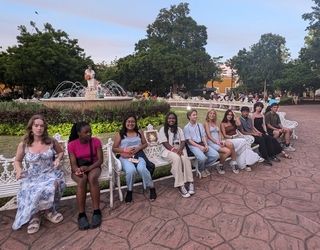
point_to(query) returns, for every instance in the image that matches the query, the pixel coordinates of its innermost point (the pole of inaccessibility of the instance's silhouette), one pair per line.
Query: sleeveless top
(258, 124)
(214, 131)
(231, 130)
(130, 141)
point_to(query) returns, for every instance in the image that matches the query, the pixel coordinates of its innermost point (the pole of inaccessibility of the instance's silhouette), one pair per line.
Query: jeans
(204, 159)
(130, 169)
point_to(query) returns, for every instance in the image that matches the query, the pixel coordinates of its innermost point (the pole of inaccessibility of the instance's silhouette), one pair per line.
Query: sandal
(54, 217)
(34, 225)
(287, 156)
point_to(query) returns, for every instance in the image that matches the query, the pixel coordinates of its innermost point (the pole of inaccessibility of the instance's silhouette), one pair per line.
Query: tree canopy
(262, 64)
(42, 59)
(171, 55)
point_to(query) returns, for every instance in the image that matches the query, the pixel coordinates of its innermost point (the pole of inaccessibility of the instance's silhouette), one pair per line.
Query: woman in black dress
(258, 121)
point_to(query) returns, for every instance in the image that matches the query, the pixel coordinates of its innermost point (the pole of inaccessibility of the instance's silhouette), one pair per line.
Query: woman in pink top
(86, 157)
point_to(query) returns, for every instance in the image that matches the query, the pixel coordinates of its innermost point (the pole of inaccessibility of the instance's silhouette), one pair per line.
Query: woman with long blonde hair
(225, 148)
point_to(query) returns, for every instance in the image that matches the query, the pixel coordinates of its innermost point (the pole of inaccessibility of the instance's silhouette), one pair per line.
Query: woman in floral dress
(42, 183)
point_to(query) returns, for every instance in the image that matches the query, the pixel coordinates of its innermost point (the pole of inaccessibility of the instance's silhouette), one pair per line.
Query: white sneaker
(289, 148)
(203, 174)
(191, 188)
(183, 191)
(235, 169)
(261, 160)
(248, 169)
(220, 169)
(207, 172)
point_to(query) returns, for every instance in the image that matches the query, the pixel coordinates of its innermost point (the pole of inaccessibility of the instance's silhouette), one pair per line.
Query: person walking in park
(86, 157)
(42, 183)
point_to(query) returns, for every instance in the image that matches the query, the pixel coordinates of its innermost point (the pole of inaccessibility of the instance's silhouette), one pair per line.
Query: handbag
(85, 162)
(189, 152)
(149, 164)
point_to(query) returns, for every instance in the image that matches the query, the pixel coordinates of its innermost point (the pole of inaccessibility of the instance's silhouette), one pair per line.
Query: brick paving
(268, 208)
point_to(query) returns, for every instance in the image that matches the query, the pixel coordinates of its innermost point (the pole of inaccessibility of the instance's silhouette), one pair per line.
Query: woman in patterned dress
(42, 183)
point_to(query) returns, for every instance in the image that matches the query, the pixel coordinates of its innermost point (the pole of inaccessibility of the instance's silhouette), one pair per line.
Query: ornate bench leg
(119, 187)
(111, 181)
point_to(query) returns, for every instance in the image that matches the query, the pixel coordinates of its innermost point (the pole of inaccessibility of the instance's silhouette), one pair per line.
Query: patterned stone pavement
(269, 208)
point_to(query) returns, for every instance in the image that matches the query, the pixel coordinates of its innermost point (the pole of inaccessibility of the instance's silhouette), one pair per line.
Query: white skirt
(245, 155)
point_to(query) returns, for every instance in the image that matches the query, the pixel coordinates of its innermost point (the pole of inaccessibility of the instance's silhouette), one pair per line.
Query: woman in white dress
(245, 155)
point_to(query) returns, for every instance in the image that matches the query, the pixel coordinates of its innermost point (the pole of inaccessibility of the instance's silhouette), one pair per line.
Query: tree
(173, 54)
(296, 77)
(310, 54)
(42, 60)
(262, 64)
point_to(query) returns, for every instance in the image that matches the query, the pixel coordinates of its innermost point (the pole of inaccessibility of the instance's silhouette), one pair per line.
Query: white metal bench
(110, 171)
(153, 151)
(288, 124)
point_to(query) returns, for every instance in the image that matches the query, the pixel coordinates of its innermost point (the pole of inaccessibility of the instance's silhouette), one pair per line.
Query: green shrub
(14, 116)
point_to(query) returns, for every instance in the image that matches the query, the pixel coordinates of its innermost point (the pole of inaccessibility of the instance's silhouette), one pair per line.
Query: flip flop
(34, 225)
(54, 217)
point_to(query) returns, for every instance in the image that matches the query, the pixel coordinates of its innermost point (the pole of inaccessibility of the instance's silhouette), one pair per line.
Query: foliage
(97, 127)
(296, 77)
(41, 60)
(262, 64)
(310, 54)
(14, 113)
(172, 55)
(14, 117)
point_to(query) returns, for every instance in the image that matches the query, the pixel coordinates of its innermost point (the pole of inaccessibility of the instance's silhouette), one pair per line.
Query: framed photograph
(151, 137)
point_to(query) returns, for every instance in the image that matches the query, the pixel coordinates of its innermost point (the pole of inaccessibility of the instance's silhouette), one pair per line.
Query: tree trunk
(265, 94)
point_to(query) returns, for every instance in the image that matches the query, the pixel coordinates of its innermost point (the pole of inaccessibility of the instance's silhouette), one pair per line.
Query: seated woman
(173, 142)
(43, 182)
(274, 147)
(245, 155)
(197, 141)
(225, 148)
(128, 143)
(86, 157)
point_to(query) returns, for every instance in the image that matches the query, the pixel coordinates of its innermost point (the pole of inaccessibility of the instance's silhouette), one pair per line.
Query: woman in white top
(173, 149)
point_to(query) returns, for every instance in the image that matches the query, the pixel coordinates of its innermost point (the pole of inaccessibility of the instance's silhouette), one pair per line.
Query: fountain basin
(82, 103)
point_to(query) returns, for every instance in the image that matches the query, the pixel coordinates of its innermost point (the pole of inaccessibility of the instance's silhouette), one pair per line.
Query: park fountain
(74, 95)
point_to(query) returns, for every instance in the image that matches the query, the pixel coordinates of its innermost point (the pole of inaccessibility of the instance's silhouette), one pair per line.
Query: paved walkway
(269, 208)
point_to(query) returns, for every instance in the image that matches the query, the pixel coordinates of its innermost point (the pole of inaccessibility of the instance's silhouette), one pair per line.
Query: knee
(229, 145)
(130, 172)
(202, 158)
(93, 180)
(227, 151)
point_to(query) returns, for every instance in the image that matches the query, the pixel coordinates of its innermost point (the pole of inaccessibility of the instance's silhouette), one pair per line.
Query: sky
(108, 30)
